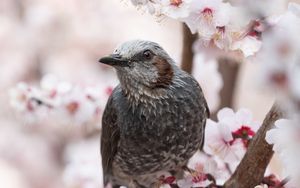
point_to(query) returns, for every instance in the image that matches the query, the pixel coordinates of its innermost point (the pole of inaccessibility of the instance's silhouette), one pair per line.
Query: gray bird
(154, 120)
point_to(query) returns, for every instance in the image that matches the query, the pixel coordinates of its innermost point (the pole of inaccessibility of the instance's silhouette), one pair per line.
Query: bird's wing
(202, 100)
(110, 136)
(207, 110)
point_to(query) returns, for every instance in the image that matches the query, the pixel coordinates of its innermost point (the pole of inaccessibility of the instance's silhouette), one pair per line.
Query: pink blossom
(146, 5)
(229, 137)
(222, 38)
(279, 58)
(286, 139)
(176, 9)
(206, 15)
(60, 102)
(249, 45)
(203, 169)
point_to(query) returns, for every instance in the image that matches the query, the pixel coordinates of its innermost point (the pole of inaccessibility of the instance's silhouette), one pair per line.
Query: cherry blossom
(217, 22)
(176, 9)
(19, 95)
(210, 166)
(280, 57)
(286, 139)
(63, 101)
(230, 136)
(248, 45)
(206, 16)
(139, 2)
(223, 38)
(152, 7)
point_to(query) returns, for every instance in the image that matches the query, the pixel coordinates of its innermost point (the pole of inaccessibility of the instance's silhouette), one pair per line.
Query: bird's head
(141, 64)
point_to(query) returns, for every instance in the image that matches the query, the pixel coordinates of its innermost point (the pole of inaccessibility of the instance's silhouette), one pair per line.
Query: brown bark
(250, 171)
(229, 69)
(187, 49)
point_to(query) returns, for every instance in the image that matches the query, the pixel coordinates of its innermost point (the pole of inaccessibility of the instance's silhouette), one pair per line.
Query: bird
(154, 120)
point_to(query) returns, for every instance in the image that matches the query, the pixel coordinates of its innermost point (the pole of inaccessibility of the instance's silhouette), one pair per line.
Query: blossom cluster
(226, 141)
(219, 24)
(285, 137)
(280, 57)
(280, 72)
(63, 102)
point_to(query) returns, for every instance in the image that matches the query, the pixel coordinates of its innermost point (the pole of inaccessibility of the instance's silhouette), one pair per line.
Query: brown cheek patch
(165, 72)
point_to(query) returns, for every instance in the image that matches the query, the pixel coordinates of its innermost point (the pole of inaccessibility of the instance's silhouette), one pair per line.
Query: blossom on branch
(67, 103)
(286, 139)
(204, 171)
(229, 138)
(176, 9)
(206, 16)
(213, 20)
(280, 57)
(248, 45)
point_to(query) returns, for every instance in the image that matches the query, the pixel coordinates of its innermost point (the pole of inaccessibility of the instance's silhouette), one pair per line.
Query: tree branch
(250, 171)
(187, 49)
(229, 69)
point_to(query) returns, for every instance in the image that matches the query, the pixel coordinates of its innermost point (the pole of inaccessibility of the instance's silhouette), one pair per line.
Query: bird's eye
(147, 54)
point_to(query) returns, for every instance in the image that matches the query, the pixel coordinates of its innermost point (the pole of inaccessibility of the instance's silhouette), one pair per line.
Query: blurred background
(60, 42)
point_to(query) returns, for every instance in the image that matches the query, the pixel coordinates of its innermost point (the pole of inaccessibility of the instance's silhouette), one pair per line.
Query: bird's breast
(169, 131)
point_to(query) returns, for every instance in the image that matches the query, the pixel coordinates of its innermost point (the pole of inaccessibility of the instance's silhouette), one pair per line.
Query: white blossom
(280, 57)
(286, 139)
(229, 137)
(61, 101)
(176, 9)
(248, 45)
(206, 15)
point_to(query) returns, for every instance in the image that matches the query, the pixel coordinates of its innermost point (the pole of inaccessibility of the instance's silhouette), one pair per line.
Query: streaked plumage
(154, 120)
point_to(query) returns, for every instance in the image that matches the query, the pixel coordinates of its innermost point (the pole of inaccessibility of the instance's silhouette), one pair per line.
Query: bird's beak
(114, 60)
